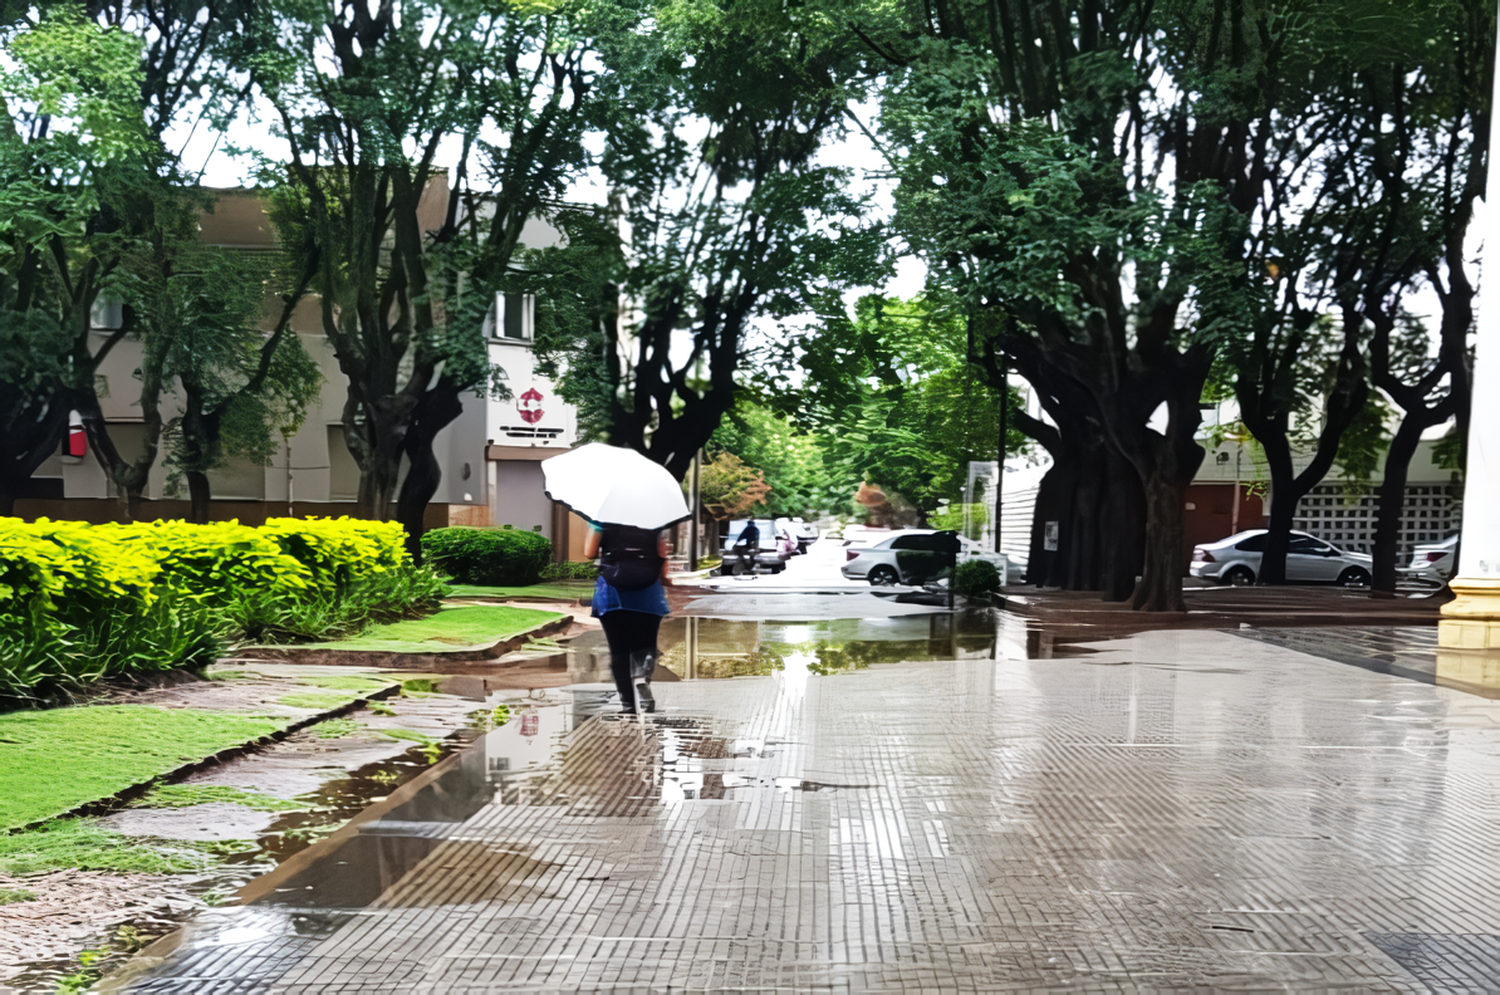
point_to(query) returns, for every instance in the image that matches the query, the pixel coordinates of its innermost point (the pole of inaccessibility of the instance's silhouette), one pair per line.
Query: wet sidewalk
(1165, 810)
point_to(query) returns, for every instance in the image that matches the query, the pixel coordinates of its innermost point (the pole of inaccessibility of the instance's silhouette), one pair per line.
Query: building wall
(315, 470)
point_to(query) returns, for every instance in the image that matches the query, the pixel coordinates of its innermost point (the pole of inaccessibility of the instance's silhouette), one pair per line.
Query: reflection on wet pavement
(1409, 652)
(1173, 810)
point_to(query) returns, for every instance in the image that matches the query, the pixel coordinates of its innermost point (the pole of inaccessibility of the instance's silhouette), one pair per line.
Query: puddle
(1024, 638)
(695, 648)
(563, 752)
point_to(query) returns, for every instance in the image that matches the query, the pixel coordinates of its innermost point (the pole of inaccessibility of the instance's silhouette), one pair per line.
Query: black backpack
(628, 557)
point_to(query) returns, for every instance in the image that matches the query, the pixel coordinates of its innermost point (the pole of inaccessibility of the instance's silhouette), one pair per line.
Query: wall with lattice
(1349, 523)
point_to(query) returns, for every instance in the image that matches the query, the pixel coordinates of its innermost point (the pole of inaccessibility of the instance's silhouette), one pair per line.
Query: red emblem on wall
(529, 405)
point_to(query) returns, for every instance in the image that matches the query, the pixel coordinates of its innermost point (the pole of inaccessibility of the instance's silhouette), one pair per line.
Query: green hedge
(493, 557)
(80, 602)
(571, 570)
(976, 578)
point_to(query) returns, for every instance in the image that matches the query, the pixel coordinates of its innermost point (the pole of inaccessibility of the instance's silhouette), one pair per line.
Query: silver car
(1236, 561)
(881, 564)
(1433, 564)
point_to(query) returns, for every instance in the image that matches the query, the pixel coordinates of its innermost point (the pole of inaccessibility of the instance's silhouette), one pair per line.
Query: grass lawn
(552, 590)
(55, 760)
(460, 627)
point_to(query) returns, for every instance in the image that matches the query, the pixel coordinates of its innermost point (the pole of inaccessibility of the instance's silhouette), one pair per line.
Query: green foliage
(1448, 452)
(55, 760)
(242, 393)
(406, 591)
(9, 896)
(729, 488)
(790, 459)
(734, 218)
(1362, 445)
(80, 602)
(570, 570)
(954, 517)
(895, 401)
(976, 578)
(91, 845)
(502, 557)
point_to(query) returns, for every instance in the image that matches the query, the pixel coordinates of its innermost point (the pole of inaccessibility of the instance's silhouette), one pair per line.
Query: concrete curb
(326, 656)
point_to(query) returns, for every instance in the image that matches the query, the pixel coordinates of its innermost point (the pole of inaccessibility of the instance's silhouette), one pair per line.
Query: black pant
(628, 633)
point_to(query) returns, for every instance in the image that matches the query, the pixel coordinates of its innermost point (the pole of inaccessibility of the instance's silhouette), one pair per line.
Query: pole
(693, 531)
(1234, 518)
(1471, 621)
(1000, 463)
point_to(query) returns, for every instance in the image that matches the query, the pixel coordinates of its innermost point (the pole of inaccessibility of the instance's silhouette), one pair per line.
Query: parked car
(1236, 561)
(1434, 563)
(770, 555)
(901, 558)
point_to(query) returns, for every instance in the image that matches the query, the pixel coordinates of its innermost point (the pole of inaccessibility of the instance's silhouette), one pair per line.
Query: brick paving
(1175, 810)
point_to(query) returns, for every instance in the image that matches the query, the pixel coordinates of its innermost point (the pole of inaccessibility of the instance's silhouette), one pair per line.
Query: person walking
(628, 500)
(630, 600)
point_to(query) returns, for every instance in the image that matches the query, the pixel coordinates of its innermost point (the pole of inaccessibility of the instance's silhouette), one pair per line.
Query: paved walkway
(1183, 809)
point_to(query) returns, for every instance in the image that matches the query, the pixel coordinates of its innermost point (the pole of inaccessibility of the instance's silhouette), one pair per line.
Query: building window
(108, 314)
(513, 318)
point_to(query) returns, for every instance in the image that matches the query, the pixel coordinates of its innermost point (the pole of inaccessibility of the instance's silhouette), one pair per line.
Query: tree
(1345, 230)
(89, 190)
(1434, 163)
(731, 220)
(791, 459)
(727, 488)
(1090, 178)
(409, 255)
(72, 158)
(893, 397)
(241, 389)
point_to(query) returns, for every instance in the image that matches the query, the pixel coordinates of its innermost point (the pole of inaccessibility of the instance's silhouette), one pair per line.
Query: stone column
(1471, 621)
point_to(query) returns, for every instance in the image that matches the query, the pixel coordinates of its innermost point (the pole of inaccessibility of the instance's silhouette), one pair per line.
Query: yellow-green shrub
(81, 601)
(213, 561)
(51, 564)
(340, 550)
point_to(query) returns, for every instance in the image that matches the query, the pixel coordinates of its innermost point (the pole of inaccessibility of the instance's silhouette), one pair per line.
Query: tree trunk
(198, 496)
(1160, 586)
(1041, 562)
(1122, 529)
(1285, 496)
(437, 408)
(1392, 492)
(377, 490)
(29, 436)
(1088, 501)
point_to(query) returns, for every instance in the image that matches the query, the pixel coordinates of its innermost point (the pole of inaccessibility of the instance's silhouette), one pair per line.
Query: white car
(1236, 561)
(881, 564)
(1434, 563)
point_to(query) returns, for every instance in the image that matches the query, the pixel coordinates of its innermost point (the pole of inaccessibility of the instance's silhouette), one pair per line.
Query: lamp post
(1471, 621)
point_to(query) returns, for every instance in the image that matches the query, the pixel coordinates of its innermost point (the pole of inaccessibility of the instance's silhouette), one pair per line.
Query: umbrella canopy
(610, 485)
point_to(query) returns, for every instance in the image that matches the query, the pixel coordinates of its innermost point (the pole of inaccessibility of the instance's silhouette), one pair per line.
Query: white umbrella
(610, 485)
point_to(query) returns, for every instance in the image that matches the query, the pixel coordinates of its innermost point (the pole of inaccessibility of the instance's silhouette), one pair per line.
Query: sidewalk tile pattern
(1177, 810)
